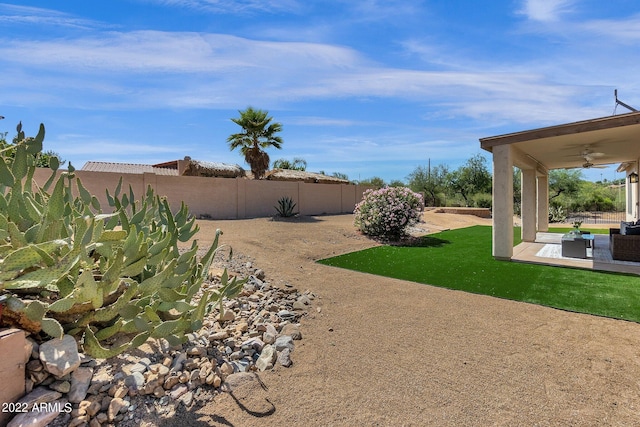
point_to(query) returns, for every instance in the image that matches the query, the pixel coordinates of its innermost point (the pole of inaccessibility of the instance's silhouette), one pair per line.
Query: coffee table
(575, 245)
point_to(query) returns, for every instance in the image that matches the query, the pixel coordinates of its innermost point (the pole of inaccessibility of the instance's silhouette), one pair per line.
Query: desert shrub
(557, 214)
(576, 206)
(110, 280)
(387, 212)
(482, 200)
(598, 202)
(285, 207)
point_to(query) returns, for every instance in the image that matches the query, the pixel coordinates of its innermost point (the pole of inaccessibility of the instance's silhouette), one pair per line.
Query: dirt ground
(385, 352)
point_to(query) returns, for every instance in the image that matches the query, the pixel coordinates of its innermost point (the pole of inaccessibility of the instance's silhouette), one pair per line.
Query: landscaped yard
(461, 259)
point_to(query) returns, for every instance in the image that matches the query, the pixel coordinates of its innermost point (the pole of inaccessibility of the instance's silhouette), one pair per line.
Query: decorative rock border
(255, 333)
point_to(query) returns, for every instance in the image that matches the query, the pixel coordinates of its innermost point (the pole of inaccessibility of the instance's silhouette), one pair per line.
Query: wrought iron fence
(596, 217)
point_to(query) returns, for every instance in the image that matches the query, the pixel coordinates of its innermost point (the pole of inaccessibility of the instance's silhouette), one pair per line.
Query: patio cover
(616, 139)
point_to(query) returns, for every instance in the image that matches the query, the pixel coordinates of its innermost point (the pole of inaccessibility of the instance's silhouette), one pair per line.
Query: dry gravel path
(387, 352)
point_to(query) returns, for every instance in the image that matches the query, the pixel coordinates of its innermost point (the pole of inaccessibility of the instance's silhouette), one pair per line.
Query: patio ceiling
(602, 141)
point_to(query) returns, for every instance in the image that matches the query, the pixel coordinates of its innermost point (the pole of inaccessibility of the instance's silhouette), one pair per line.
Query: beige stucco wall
(632, 193)
(225, 198)
(262, 196)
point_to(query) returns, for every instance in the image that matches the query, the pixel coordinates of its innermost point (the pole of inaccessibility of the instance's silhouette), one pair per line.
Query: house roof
(199, 168)
(213, 169)
(132, 168)
(296, 175)
(601, 141)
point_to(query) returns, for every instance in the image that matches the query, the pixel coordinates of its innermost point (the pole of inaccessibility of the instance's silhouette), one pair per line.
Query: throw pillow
(624, 225)
(632, 230)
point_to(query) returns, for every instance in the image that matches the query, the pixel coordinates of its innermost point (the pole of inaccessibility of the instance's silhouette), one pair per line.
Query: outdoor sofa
(625, 242)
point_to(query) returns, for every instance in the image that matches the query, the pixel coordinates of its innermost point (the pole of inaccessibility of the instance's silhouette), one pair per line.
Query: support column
(635, 194)
(502, 202)
(529, 209)
(543, 203)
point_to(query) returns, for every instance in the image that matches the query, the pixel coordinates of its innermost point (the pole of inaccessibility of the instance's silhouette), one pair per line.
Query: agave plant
(285, 207)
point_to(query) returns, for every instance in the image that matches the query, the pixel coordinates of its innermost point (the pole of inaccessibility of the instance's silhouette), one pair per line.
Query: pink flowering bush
(387, 212)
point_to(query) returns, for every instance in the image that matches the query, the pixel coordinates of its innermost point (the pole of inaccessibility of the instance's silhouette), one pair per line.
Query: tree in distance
(433, 181)
(375, 182)
(472, 178)
(297, 164)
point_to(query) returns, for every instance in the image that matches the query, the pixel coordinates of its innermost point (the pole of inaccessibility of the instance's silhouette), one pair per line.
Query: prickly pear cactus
(67, 267)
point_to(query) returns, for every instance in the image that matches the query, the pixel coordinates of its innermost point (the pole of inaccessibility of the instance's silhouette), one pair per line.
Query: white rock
(267, 358)
(255, 343)
(292, 330)
(284, 358)
(284, 341)
(219, 336)
(233, 381)
(60, 356)
(268, 338)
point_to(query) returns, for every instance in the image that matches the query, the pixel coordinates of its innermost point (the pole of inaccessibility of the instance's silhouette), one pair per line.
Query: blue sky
(363, 87)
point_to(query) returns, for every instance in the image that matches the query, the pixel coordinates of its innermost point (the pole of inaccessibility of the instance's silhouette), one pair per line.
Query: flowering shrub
(388, 211)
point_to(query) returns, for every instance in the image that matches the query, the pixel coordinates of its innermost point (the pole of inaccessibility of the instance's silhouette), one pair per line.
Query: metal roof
(132, 168)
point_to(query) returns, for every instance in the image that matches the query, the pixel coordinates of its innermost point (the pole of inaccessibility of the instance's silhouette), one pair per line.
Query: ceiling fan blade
(589, 165)
(595, 155)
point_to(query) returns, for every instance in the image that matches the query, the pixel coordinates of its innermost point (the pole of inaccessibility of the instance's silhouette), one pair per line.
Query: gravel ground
(388, 352)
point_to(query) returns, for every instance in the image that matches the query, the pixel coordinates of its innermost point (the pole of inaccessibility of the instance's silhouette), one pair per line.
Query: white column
(502, 202)
(633, 214)
(543, 203)
(529, 209)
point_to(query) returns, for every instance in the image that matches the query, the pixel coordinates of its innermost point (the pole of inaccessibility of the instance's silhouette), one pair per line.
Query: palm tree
(257, 133)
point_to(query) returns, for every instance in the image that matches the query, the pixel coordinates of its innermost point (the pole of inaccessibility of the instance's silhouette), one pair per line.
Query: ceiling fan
(588, 155)
(588, 165)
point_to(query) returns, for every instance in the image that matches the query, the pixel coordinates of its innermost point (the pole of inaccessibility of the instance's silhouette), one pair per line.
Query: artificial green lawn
(461, 259)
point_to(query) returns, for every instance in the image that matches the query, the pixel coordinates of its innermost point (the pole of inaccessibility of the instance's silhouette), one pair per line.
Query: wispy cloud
(324, 121)
(546, 10)
(232, 6)
(196, 70)
(27, 15)
(377, 10)
(150, 52)
(622, 31)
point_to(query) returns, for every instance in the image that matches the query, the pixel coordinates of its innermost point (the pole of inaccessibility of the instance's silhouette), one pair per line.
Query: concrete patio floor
(598, 259)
